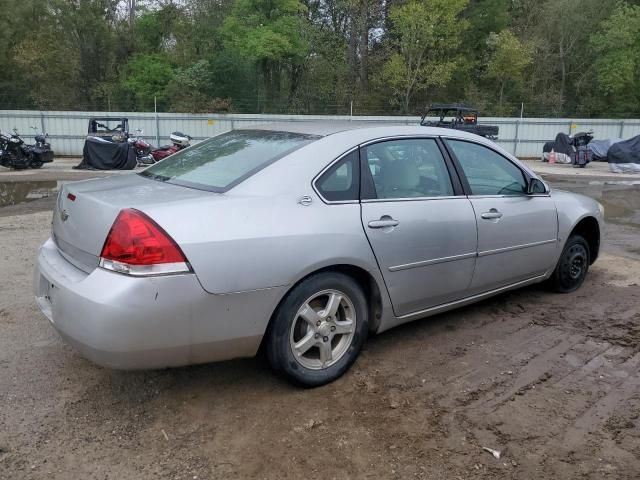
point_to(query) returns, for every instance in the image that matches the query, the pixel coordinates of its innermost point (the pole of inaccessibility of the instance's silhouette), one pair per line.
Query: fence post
(157, 129)
(42, 122)
(516, 140)
(621, 129)
(155, 109)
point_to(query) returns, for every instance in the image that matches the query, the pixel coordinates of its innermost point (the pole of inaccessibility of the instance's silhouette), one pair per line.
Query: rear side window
(341, 182)
(221, 162)
(488, 172)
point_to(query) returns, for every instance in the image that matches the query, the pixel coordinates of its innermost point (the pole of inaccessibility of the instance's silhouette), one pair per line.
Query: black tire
(572, 266)
(286, 324)
(36, 164)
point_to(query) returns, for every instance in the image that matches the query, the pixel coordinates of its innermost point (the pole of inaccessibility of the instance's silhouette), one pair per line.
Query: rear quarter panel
(251, 243)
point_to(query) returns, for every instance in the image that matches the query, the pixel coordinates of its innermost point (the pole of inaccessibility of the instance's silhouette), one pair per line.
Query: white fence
(67, 130)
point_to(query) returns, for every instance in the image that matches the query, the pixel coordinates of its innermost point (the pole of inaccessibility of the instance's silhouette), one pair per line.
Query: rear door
(517, 232)
(420, 225)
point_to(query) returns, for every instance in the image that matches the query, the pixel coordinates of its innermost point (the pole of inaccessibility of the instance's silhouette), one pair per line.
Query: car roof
(311, 127)
(363, 128)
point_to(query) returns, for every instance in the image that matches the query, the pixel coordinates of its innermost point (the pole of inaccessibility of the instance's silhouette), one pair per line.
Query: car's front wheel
(319, 329)
(572, 266)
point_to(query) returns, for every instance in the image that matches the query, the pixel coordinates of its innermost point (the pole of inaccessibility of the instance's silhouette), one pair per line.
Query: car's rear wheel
(319, 329)
(572, 266)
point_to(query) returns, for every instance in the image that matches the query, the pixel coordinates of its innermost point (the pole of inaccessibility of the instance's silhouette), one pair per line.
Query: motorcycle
(178, 140)
(147, 155)
(14, 153)
(142, 149)
(582, 155)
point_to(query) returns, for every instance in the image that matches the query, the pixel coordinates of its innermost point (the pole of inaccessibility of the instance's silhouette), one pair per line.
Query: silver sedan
(302, 239)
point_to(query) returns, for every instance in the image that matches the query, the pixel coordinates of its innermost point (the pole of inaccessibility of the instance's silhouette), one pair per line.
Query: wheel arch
(366, 280)
(589, 228)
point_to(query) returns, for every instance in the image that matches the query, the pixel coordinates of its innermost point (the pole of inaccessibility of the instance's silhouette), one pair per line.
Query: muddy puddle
(13, 193)
(620, 198)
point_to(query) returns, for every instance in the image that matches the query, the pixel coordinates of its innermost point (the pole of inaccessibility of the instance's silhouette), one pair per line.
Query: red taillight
(139, 246)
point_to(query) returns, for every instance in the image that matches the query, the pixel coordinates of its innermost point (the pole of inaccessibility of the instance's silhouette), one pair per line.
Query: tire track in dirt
(592, 419)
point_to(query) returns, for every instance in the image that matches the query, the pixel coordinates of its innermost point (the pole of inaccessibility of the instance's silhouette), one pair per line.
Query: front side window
(341, 181)
(408, 168)
(221, 162)
(488, 172)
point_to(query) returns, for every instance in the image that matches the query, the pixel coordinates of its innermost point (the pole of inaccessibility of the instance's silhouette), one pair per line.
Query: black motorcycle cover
(99, 154)
(627, 151)
(562, 144)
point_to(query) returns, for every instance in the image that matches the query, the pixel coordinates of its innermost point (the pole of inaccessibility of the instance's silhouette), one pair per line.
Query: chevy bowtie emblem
(64, 215)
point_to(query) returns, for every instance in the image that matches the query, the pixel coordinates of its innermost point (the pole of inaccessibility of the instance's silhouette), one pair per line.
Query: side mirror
(536, 186)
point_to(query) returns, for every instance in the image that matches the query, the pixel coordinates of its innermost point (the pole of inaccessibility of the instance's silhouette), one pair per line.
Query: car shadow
(229, 378)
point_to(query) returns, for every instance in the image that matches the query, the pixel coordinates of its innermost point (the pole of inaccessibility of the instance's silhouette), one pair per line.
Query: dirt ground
(550, 381)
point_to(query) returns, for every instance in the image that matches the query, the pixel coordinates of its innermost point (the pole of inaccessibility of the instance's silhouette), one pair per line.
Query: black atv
(458, 117)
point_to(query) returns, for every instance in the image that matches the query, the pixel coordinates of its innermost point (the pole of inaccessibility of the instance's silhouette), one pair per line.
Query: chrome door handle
(385, 221)
(491, 214)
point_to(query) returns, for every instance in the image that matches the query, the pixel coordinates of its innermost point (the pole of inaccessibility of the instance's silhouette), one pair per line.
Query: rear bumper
(136, 323)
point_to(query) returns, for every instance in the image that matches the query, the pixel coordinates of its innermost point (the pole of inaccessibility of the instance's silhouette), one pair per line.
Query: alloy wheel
(323, 329)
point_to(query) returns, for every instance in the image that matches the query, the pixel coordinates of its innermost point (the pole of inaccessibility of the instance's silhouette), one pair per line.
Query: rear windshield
(222, 162)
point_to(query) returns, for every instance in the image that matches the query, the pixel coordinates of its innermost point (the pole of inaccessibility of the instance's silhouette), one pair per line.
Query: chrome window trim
(515, 195)
(328, 167)
(412, 199)
(398, 137)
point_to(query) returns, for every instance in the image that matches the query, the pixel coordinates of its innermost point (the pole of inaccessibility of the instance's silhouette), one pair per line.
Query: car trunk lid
(86, 210)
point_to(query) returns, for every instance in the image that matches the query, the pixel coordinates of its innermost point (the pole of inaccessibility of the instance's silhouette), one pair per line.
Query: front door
(422, 233)
(517, 233)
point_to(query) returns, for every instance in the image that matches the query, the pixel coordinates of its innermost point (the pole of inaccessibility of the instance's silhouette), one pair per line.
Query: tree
(426, 35)
(559, 57)
(508, 60)
(271, 35)
(617, 64)
(146, 77)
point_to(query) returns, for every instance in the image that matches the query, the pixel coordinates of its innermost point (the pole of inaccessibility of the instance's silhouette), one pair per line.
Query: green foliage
(426, 34)
(146, 76)
(508, 60)
(618, 62)
(558, 57)
(271, 34)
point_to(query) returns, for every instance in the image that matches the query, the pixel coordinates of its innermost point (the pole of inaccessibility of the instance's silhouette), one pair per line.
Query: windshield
(222, 162)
